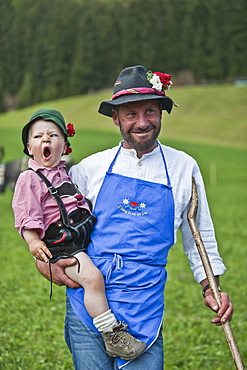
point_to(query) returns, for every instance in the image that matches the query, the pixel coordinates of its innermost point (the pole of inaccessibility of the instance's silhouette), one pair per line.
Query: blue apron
(130, 243)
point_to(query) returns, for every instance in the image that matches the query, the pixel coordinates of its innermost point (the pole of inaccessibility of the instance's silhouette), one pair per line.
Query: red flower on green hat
(70, 129)
(68, 151)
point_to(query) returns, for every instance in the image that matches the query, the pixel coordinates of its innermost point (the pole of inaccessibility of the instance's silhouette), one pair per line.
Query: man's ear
(115, 117)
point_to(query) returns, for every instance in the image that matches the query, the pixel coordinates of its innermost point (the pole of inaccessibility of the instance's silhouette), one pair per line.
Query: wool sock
(105, 321)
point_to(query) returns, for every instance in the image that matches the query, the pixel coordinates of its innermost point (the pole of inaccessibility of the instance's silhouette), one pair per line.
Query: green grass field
(211, 126)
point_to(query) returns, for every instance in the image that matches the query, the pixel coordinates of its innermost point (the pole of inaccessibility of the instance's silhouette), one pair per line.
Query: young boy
(56, 223)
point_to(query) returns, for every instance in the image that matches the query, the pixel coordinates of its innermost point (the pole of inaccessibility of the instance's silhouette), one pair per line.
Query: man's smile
(141, 132)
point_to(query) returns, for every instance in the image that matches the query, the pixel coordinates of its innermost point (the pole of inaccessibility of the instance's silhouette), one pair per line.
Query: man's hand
(225, 311)
(58, 272)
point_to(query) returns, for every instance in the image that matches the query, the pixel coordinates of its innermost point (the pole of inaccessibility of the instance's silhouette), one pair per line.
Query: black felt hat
(132, 85)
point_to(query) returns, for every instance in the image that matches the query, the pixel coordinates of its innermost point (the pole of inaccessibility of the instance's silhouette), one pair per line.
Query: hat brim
(107, 106)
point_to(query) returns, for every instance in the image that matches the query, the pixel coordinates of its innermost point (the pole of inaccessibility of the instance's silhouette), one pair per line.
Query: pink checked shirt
(33, 206)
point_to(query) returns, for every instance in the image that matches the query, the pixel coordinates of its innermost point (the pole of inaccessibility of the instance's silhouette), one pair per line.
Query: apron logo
(133, 208)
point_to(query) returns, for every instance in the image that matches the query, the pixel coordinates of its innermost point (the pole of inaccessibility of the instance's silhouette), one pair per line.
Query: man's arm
(225, 311)
(59, 276)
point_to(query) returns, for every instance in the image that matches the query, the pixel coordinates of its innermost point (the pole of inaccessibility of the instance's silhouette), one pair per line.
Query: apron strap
(117, 262)
(161, 151)
(167, 176)
(114, 159)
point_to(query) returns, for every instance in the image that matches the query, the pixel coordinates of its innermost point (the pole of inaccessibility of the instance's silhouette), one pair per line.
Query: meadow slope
(210, 124)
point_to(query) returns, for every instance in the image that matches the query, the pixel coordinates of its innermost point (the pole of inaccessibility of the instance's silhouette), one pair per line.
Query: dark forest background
(51, 49)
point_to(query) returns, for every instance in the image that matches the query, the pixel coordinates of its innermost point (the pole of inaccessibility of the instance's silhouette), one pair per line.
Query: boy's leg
(91, 279)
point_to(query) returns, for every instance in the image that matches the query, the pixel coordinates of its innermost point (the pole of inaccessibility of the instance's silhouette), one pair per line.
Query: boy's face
(46, 143)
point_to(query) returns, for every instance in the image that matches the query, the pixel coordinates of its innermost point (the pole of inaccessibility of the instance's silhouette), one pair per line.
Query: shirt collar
(37, 166)
(131, 151)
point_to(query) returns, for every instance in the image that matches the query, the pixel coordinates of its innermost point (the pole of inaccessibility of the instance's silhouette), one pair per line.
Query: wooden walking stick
(210, 276)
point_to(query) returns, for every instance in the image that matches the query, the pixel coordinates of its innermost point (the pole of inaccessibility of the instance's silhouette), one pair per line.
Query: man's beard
(140, 145)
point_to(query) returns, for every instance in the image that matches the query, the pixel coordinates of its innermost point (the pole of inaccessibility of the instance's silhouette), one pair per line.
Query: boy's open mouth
(47, 152)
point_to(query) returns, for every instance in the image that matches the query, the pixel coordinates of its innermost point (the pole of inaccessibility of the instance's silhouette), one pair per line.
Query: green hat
(46, 115)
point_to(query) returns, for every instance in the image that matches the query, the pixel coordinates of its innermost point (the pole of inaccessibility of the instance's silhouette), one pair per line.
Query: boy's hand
(39, 250)
(37, 247)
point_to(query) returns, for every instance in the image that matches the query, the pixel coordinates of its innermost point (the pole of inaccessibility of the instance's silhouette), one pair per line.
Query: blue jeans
(88, 350)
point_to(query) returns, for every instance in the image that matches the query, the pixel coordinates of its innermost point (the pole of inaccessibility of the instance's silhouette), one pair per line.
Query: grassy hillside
(211, 126)
(214, 114)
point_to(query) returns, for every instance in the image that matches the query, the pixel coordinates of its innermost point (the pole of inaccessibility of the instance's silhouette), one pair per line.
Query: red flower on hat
(68, 151)
(165, 78)
(70, 132)
(160, 81)
(70, 129)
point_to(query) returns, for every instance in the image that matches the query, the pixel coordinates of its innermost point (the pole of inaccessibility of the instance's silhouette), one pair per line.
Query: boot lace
(121, 335)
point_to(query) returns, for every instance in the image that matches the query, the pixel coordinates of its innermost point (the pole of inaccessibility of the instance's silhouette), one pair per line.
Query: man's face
(140, 124)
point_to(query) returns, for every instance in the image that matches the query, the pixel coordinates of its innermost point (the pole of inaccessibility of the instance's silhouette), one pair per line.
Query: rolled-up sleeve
(205, 226)
(26, 205)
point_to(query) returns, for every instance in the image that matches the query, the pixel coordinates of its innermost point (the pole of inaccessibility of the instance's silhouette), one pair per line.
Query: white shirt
(88, 175)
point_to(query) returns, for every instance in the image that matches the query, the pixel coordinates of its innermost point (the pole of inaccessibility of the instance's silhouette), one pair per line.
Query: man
(141, 193)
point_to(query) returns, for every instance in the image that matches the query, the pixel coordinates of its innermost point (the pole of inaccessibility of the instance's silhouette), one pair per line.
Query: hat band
(138, 90)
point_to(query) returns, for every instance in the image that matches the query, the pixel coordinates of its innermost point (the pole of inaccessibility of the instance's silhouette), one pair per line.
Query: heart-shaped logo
(134, 204)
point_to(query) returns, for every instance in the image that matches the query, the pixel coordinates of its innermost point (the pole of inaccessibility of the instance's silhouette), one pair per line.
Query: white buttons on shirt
(132, 152)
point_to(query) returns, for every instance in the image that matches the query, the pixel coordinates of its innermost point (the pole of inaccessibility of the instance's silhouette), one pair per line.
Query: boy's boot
(118, 341)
